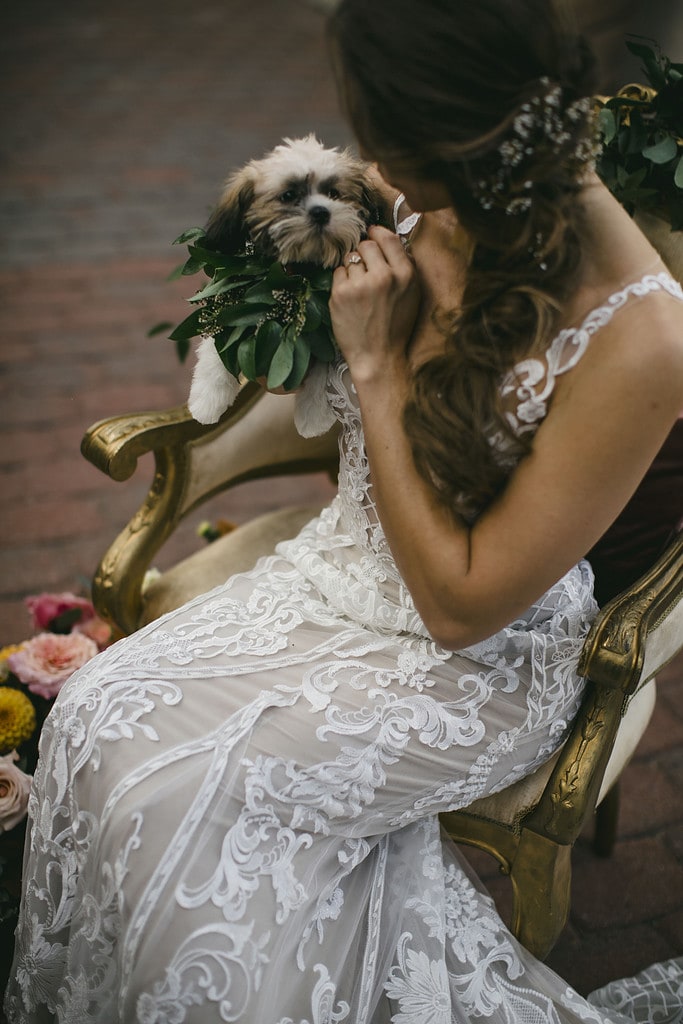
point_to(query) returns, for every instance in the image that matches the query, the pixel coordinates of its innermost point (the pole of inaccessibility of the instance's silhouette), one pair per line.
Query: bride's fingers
(354, 259)
(389, 244)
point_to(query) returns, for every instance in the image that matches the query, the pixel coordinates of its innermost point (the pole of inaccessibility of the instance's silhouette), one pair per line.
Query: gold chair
(530, 827)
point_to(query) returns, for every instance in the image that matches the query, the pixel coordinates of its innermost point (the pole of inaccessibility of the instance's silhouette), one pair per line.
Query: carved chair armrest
(254, 438)
(633, 637)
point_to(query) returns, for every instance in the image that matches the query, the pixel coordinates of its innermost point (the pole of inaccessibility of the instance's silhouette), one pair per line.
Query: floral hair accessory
(542, 122)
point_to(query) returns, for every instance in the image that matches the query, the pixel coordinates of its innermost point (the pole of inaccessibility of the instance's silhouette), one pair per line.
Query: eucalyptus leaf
(607, 124)
(662, 151)
(678, 175)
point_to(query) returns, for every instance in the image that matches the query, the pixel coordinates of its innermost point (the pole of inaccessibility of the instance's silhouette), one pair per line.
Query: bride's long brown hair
(433, 87)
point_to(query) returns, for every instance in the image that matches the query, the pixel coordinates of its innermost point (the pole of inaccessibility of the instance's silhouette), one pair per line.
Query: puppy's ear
(375, 205)
(226, 229)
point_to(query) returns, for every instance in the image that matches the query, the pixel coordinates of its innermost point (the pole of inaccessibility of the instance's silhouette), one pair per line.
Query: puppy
(301, 203)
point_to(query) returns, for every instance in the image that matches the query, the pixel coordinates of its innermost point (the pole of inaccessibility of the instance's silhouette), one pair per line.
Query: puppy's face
(301, 203)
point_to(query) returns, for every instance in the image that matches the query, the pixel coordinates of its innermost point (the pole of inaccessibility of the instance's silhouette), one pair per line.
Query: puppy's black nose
(319, 214)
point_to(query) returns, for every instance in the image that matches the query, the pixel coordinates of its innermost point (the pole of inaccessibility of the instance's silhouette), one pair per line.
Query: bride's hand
(374, 305)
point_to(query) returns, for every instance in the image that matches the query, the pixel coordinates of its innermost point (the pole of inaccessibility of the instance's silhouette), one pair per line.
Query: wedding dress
(235, 813)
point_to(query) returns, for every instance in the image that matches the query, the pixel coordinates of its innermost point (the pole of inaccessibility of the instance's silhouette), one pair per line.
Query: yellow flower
(17, 718)
(4, 655)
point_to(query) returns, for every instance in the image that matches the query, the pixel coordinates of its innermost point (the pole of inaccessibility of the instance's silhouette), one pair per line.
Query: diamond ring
(355, 258)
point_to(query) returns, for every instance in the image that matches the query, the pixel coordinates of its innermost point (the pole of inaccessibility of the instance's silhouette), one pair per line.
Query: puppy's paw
(213, 389)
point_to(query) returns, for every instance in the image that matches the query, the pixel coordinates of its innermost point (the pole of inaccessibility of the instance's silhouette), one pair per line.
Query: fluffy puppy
(301, 203)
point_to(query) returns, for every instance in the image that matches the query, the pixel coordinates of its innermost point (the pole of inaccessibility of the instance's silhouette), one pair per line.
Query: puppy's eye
(288, 196)
(332, 192)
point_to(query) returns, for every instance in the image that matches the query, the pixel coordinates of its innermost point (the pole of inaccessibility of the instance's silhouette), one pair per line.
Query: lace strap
(405, 226)
(532, 380)
(567, 348)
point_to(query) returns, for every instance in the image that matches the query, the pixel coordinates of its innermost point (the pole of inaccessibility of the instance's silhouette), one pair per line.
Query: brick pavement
(119, 123)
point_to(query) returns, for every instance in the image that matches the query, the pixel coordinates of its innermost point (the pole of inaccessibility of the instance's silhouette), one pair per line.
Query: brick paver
(119, 124)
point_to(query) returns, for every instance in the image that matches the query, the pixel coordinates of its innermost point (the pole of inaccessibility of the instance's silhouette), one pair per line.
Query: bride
(235, 815)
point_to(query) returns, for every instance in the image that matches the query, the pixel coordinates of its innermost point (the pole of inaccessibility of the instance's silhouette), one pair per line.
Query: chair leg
(541, 881)
(606, 817)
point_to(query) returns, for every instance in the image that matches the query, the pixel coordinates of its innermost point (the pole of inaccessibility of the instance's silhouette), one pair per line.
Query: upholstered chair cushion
(237, 551)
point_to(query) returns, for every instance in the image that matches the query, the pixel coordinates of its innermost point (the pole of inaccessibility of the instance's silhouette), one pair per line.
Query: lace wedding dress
(235, 813)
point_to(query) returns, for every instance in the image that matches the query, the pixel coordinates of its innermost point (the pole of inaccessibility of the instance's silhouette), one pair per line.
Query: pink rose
(46, 607)
(97, 629)
(46, 662)
(15, 787)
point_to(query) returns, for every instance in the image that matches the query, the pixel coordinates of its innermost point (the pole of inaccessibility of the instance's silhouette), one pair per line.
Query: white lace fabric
(235, 813)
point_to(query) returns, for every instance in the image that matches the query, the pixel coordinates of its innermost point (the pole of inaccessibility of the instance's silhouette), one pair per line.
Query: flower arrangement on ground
(67, 634)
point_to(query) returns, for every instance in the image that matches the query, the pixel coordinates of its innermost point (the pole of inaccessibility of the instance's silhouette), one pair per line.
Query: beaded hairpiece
(541, 120)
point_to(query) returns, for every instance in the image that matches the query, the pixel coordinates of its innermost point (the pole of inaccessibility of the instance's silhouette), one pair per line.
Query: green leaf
(226, 340)
(321, 345)
(281, 364)
(189, 328)
(678, 176)
(302, 359)
(230, 360)
(191, 266)
(319, 304)
(220, 284)
(607, 125)
(260, 292)
(159, 328)
(313, 318)
(638, 50)
(653, 68)
(182, 349)
(277, 277)
(246, 357)
(191, 235)
(177, 272)
(321, 279)
(637, 133)
(268, 339)
(242, 313)
(662, 151)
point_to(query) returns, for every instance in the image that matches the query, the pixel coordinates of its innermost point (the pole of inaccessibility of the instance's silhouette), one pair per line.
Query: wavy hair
(435, 88)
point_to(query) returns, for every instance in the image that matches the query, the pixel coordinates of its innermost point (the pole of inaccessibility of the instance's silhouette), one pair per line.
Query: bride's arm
(606, 424)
